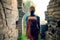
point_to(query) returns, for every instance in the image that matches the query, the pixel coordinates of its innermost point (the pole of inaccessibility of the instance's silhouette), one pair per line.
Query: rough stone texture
(8, 18)
(21, 14)
(53, 16)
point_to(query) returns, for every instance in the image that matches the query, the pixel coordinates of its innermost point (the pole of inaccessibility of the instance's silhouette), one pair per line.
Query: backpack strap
(32, 17)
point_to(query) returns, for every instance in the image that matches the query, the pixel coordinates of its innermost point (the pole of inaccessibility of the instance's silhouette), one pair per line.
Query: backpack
(32, 26)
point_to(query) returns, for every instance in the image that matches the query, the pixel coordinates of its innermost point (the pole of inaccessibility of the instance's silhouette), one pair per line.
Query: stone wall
(53, 16)
(21, 14)
(8, 18)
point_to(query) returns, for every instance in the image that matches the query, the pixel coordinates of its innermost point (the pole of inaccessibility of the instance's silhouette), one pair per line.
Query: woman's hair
(32, 8)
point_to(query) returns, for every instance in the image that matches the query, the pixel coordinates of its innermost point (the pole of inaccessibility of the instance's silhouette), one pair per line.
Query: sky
(41, 7)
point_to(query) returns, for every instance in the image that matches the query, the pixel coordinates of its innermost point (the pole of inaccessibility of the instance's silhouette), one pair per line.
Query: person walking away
(33, 25)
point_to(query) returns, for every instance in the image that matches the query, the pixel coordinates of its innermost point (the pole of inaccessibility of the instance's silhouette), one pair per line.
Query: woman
(33, 25)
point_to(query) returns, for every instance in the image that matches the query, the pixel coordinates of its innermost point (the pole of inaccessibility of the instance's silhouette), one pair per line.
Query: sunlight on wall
(26, 0)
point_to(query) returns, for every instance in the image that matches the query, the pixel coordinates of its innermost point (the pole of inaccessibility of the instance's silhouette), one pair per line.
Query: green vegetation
(20, 37)
(23, 36)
